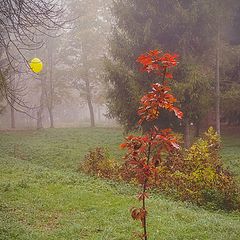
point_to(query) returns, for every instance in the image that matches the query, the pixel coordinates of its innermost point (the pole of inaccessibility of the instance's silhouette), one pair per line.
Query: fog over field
(88, 51)
(71, 42)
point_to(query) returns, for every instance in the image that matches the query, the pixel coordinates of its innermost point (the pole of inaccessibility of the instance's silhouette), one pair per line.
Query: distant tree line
(204, 33)
(72, 53)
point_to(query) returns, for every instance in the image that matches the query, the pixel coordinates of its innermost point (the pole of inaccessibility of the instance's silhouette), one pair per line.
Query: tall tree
(187, 27)
(195, 95)
(220, 14)
(231, 83)
(53, 88)
(141, 25)
(86, 48)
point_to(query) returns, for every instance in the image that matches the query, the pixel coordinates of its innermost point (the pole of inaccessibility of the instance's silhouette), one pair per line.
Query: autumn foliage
(144, 152)
(198, 175)
(195, 175)
(155, 159)
(99, 162)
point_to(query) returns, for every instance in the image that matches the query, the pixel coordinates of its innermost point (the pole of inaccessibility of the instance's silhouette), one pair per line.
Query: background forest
(90, 70)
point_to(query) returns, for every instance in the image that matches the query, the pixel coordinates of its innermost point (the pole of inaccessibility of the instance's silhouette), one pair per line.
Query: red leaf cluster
(158, 62)
(139, 214)
(144, 153)
(158, 98)
(136, 157)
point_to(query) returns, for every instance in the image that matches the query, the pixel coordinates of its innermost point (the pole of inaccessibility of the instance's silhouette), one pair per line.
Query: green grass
(42, 196)
(59, 148)
(231, 154)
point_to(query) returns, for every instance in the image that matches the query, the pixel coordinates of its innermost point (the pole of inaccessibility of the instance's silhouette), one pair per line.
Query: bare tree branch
(22, 25)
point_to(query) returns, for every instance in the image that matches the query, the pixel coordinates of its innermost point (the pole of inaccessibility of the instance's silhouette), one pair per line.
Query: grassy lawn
(231, 154)
(42, 196)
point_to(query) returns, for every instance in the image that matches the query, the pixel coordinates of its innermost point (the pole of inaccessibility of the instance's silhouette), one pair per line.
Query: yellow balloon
(36, 65)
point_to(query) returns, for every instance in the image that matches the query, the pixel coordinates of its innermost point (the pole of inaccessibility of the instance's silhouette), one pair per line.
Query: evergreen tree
(231, 85)
(187, 27)
(142, 25)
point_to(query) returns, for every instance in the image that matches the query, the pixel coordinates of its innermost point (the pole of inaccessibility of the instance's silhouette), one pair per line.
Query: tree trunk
(50, 76)
(87, 83)
(90, 106)
(13, 125)
(99, 113)
(218, 117)
(198, 126)
(39, 119)
(238, 66)
(13, 118)
(40, 110)
(187, 141)
(51, 117)
(12, 102)
(89, 102)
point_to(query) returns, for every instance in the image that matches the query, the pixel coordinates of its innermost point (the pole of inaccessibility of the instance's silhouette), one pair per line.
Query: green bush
(196, 175)
(98, 162)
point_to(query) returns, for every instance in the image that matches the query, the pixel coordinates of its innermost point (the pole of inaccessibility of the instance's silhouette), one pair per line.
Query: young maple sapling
(144, 152)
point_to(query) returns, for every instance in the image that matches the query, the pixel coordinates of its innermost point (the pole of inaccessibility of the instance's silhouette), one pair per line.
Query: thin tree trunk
(50, 95)
(144, 209)
(40, 110)
(145, 235)
(238, 57)
(187, 141)
(218, 120)
(198, 125)
(87, 84)
(89, 102)
(39, 119)
(13, 124)
(99, 113)
(90, 106)
(51, 117)
(12, 102)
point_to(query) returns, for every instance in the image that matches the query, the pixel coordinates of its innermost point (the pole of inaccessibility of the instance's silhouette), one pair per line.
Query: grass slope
(43, 197)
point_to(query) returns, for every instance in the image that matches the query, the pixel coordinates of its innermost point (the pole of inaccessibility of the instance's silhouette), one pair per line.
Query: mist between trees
(89, 50)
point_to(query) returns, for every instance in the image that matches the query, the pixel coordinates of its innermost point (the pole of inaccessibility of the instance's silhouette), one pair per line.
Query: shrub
(198, 175)
(98, 162)
(195, 175)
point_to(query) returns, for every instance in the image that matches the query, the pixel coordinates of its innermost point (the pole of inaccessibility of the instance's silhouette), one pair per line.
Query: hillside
(42, 196)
